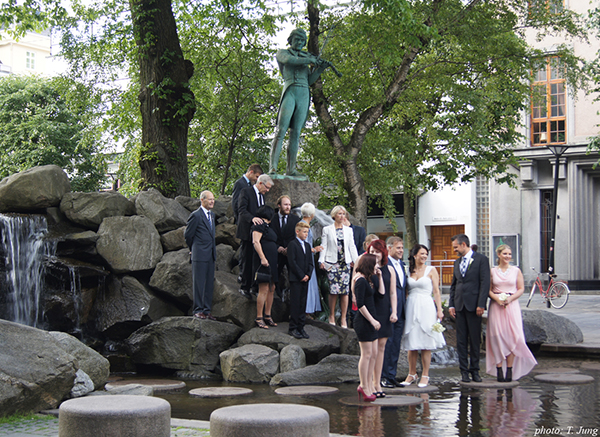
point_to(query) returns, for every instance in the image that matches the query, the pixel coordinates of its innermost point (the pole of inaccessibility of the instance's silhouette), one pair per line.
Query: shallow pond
(531, 409)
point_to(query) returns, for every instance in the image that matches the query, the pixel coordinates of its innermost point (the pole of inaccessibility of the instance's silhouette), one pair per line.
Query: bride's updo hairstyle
(411, 256)
(501, 249)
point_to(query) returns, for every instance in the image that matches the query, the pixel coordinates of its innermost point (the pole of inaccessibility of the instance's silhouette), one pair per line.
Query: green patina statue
(299, 69)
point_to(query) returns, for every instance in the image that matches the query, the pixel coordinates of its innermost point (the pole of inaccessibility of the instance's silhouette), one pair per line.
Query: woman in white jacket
(337, 258)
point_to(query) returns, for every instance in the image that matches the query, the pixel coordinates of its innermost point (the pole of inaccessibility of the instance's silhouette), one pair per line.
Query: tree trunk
(166, 102)
(410, 239)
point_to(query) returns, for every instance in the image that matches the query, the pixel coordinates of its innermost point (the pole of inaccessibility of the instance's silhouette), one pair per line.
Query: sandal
(379, 394)
(406, 382)
(269, 321)
(260, 323)
(422, 384)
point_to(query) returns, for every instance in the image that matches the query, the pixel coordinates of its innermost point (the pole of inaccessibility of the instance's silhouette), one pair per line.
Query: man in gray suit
(468, 298)
(200, 238)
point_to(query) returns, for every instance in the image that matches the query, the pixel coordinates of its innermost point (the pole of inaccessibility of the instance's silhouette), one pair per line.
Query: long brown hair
(411, 257)
(366, 266)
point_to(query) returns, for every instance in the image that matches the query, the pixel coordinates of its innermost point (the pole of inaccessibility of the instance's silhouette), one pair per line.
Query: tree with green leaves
(47, 121)
(433, 92)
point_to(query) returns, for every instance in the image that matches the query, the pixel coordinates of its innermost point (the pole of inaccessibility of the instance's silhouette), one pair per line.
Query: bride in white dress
(421, 315)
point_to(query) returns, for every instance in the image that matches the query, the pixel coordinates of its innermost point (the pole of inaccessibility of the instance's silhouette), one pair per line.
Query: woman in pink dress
(505, 340)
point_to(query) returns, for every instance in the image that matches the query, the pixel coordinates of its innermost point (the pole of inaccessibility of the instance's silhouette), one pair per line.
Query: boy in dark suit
(300, 267)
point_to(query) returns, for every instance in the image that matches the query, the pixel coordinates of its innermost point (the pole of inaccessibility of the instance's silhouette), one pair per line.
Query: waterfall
(24, 250)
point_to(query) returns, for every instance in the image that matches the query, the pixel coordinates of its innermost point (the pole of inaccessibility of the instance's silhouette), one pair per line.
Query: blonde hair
(302, 224)
(369, 239)
(501, 248)
(337, 209)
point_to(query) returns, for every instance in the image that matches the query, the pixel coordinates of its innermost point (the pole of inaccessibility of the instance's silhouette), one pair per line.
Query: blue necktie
(463, 266)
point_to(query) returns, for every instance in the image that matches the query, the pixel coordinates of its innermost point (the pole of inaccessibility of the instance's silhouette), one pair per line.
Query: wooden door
(442, 255)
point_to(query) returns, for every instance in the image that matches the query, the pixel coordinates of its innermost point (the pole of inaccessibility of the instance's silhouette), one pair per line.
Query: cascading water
(24, 249)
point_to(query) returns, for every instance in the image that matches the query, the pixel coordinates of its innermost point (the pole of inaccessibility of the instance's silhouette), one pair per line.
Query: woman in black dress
(385, 307)
(365, 324)
(264, 240)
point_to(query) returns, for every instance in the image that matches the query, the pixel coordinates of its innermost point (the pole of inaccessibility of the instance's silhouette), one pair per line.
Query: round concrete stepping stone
(489, 383)
(566, 378)
(219, 392)
(591, 366)
(557, 370)
(118, 415)
(270, 420)
(159, 385)
(306, 390)
(388, 401)
(411, 389)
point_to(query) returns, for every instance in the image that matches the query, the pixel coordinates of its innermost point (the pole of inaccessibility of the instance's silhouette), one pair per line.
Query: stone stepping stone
(558, 370)
(270, 420)
(591, 366)
(564, 378)
(306, 390)
(489, 383)
(219, 392)
(413, 388)
(159, 385)
(388, 401)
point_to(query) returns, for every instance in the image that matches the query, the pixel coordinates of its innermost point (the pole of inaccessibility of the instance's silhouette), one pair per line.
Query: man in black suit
(251, 198)
(300, 267)
(395, 247)
(468, 298)
(247, 180)
(360, 234)
(284, 225)
(200, 238)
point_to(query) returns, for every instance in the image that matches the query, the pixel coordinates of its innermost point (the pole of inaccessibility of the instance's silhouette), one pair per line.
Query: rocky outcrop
(546, 327)
(35, 371)
(166, 214)
(126, 305)
(225, 255)
(173, 240)
(225, 234)
(33, 189)
(89, 209)
(188, 203)
(291, 357)
(249, 363)
(318, 346)
(182, 343)
(333, 369)
(173, 276)
(129, 244)
(88, 360)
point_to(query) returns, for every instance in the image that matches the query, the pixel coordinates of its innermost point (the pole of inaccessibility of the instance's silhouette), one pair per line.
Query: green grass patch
(20, 417)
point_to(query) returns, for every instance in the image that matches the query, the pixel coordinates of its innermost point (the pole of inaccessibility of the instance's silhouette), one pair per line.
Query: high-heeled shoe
(508, 377)
(422, 385)
(406, 383)
(363, 396)
(499, 375)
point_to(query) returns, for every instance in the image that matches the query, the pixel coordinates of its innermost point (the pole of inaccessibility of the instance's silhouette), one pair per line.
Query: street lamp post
(557, 150)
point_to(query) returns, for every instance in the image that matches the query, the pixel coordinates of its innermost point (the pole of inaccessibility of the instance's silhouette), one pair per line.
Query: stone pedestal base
(299, 191)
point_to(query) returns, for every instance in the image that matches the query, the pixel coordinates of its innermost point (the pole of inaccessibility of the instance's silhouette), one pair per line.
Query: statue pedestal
(299, 191)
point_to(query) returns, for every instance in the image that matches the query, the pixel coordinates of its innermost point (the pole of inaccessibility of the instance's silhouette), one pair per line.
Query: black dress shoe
(304, 334)
(476, 377)
(387, 383)
(295, 333)
(465, 377)
(245, 293)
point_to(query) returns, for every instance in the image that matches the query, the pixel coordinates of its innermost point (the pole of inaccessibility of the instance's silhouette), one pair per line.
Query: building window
(538, 7)
(546, 201)
(483, 215)
(30, 60)
(548, 104)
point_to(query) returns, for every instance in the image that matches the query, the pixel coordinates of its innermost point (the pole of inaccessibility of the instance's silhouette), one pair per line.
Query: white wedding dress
(421, 314)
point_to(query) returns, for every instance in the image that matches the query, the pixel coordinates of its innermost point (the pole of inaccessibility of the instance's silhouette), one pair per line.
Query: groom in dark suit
(468, 298)
(200, 237)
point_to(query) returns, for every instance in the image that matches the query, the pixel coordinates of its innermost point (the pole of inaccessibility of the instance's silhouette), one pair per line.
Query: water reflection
(369, 421)
(469, 413)
(508, 411)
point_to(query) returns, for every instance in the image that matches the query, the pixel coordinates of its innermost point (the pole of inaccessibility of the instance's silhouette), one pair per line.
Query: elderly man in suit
(395, 247)
(468, 297)
(200, 238)
(284, 225)
(251, 198)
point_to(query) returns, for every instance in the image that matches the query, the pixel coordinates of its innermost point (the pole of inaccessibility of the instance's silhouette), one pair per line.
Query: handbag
(263, 276)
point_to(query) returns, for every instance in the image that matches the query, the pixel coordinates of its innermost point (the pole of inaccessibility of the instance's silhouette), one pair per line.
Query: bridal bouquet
(438, 327)
(502, 297)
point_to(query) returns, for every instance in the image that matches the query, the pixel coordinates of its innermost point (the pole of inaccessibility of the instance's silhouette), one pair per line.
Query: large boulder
(318, 346)
(173, 240)
(129, 244)
(89, 209)
(33, 189)
(126, 305)
(291, 357)
(333, 369)
(224, 257)
(225, 234)
(542, 326)
(91, 362)
(35, 371)
(189, 203)
(182, 343)
(250, 363)
(173, 276)
(166, 214)
(222, 208)
(299, 191)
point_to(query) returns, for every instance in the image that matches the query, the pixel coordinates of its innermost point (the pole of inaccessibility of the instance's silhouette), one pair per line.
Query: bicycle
(557, 293)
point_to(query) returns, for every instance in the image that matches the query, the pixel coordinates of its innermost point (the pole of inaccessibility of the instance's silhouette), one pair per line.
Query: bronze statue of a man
(295, 67)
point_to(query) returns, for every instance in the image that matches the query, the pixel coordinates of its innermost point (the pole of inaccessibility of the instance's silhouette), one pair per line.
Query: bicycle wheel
(531, 293)
(558, 294)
